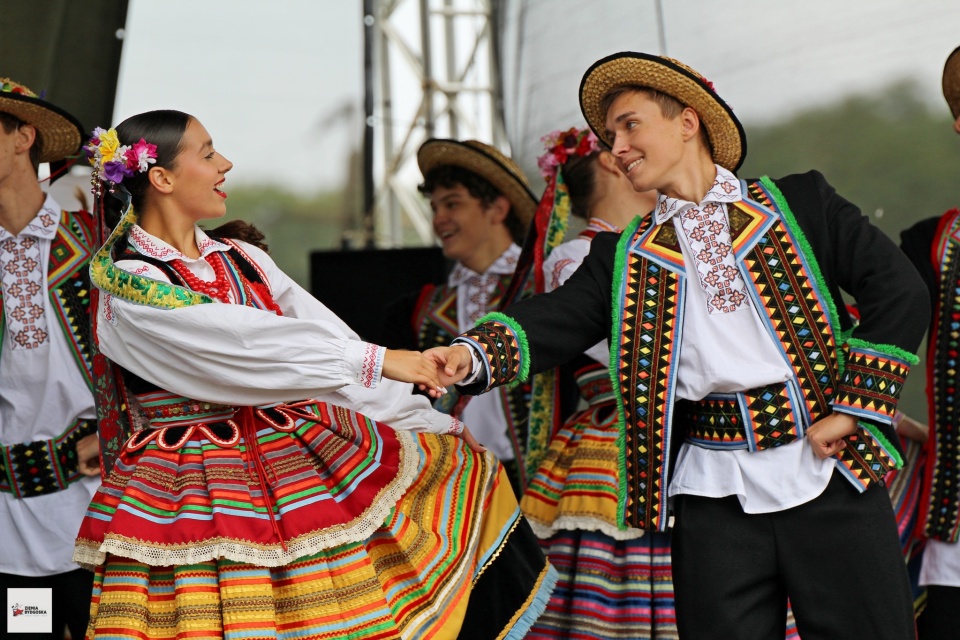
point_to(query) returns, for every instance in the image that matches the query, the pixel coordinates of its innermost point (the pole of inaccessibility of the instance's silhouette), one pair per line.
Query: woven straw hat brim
(60, 132)
(726, 134)
(486, 162)
(951, 82)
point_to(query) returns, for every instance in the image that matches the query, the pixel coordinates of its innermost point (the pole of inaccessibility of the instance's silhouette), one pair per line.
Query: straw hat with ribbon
(951, 82)
(674, 79)
(488, 163)
(60, 133)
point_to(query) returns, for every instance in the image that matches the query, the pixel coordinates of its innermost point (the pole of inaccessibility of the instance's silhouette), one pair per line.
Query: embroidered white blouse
(233, 354)
(42, 391)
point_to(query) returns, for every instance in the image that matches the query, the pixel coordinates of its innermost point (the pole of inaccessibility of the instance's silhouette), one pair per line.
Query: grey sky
(262, 76)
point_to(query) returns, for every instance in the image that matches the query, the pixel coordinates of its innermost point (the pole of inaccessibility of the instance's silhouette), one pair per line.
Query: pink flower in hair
(141, 155)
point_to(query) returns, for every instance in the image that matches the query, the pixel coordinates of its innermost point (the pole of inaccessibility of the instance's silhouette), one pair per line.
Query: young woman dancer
(256, 500)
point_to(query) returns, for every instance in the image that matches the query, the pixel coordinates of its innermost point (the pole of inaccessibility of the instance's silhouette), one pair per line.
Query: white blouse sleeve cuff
(363, 363)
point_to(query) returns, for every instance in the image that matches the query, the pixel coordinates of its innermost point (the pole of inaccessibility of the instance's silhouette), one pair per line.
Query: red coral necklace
(219, 288)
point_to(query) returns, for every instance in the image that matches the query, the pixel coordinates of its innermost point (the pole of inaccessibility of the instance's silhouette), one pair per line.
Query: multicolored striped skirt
(612, 583)
(307, 521)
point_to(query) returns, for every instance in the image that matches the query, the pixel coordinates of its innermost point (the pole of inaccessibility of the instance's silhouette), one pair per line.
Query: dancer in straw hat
(933, 246)
(482, 206)
(749, 415)
(48, 441)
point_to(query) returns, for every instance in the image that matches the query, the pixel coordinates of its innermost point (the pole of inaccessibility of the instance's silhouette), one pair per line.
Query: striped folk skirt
(612, 583)
(304, 522)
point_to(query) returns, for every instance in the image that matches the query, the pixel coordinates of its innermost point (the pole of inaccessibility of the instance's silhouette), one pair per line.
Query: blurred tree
(891, 154)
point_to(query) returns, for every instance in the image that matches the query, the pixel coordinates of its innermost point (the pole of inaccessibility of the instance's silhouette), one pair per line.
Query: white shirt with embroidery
(485, 414)
(729, 350)
(42, 392)
(238, 355)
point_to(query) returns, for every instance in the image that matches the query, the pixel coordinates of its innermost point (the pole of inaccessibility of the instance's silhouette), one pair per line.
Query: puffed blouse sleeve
(233, 354)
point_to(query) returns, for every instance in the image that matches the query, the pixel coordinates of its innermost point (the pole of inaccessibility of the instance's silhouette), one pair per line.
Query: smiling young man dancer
(746, 404)
(481, 208)
(48, 441)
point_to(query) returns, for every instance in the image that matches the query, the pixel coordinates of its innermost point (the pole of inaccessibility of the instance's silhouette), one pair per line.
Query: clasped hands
(432, 371)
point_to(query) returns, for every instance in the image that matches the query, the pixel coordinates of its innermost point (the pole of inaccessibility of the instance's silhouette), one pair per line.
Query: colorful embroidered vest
(785, 284)
(436, 325)
(941, 491)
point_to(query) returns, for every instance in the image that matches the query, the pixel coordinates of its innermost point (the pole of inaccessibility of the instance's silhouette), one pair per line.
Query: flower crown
(112, 161)
(562, 145)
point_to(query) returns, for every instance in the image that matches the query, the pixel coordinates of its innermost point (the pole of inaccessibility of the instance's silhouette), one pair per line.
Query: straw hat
(951, 82)
(675, 79)
(485, 161)
(61, 133)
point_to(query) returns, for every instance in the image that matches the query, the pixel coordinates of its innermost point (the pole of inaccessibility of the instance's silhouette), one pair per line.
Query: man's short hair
(12, 123)
(670, 107)
(450, 176)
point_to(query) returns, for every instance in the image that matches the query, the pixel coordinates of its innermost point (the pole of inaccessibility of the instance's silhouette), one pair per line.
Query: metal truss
(432, 71)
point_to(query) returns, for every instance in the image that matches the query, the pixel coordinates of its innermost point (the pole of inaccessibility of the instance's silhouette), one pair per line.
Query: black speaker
(359, 285)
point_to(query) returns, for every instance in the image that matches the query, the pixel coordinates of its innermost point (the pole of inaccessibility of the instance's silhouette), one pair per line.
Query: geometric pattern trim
(940, 497)
(501, 349)
(45, 466)
(871, 384)
(649, 312)
(795, 314)
(719, 420)
(714, 422)
(865, 460)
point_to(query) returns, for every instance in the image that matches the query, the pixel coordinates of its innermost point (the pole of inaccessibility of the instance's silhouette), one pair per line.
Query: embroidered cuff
(366, 362)
(503, 346)
(868, 456)
(456, 427)
(872, 381)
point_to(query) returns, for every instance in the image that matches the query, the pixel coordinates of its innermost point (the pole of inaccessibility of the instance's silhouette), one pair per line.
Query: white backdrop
(766, 58)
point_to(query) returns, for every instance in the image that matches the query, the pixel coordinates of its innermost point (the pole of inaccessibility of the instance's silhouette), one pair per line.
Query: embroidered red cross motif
(24, 289)
(708, 233)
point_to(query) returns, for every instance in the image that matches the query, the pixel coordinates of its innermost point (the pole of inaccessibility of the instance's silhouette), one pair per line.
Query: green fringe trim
(811, 259)
(884, 442)
(138, 289)
(888, 349)
(616, 309)
(524, 372)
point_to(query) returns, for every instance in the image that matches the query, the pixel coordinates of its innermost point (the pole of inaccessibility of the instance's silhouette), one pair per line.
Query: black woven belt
(44, 466)
(756, 419)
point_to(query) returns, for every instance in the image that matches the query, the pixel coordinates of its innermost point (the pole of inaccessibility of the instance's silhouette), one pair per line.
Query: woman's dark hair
(240, 230)
(163, 128)
(449, 176)
(580, 176)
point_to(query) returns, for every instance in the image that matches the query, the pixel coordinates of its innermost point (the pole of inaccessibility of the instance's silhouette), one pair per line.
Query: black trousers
(837, 558)
(71, 602)
(940, 619)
